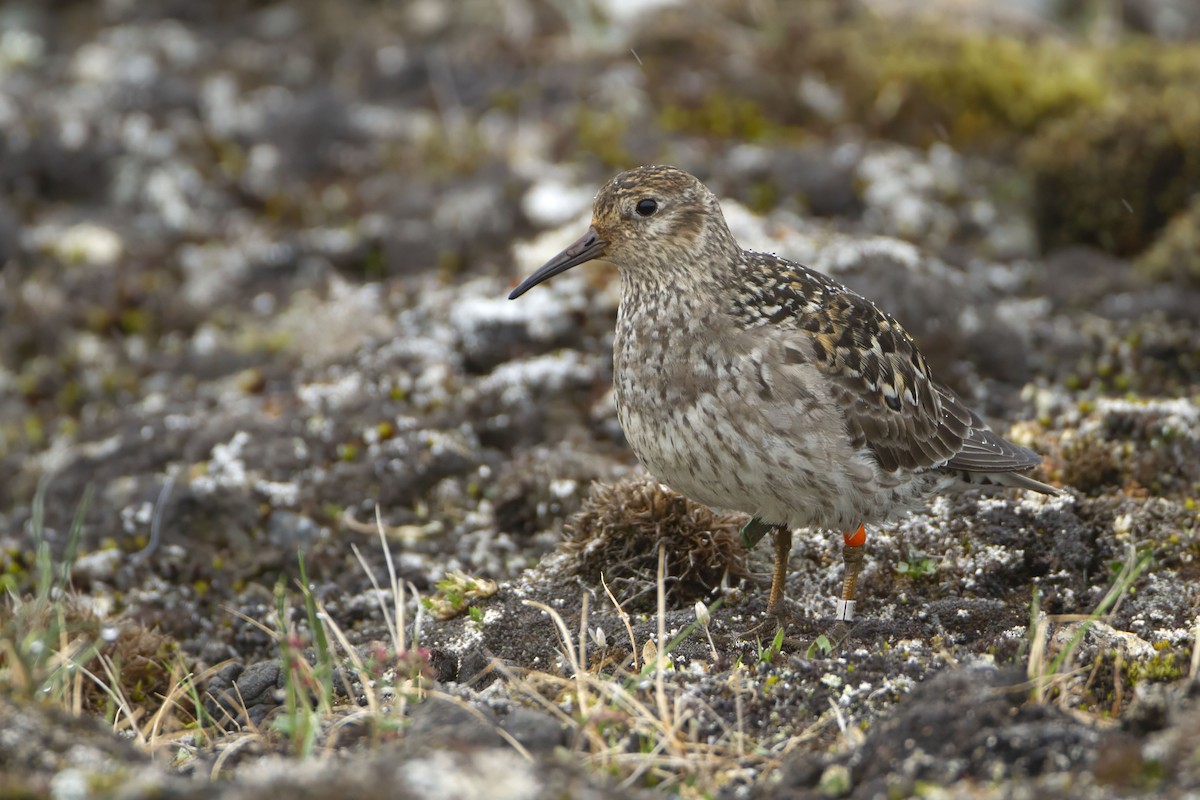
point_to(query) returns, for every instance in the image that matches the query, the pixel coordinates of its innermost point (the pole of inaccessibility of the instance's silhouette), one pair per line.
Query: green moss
(1109, 132)
(975, 87)
(450, 263)
(1114, 176)
(134, 320)
(764, 196)
(70, 397)
(733, 117)
(231, 158)
(602, 135)
(35, 432)
(1162, 667)
(1175, 254)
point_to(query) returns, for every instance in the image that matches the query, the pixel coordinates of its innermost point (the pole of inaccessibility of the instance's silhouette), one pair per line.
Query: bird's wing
(879, 377)
(986, 451)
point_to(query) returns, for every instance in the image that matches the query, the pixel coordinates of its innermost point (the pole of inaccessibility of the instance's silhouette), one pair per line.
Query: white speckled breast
(717, 413)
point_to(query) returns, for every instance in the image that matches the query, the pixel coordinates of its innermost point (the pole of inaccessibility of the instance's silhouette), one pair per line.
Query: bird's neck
(690, 273)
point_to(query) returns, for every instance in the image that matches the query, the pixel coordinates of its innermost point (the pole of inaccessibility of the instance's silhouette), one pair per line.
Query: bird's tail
(1012, 479)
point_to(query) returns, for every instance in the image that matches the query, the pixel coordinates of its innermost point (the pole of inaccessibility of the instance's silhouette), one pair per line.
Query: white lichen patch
(209, 270)
(548, 203)
(1045, 505)
(781, 233)
(137, 516)
(906, 191)
(519, 382)
(329, 395)
(1174, 417)
(101, 449)
(1016, 634)
(627, 13)
(988, 503)
(225, 466)
(495, 774)
(893, 687)
(544, 315)
(99, 565)
(416, 338)
(324, 328)
(1107, 639)
(57, 456)
(984, 557)
(280, 494)
(1175, 636)
(87, 244)
(19, 47)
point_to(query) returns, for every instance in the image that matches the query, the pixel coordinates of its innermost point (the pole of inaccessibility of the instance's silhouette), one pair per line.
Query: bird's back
(892, 404)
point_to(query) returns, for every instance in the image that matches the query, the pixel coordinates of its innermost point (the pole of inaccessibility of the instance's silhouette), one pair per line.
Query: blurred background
(262, 248)
(254, 259)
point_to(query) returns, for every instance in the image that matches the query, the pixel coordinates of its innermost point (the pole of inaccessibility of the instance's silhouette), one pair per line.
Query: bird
(752, 383)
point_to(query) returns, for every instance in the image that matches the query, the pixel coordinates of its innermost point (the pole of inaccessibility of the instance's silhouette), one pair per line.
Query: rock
(239, 695)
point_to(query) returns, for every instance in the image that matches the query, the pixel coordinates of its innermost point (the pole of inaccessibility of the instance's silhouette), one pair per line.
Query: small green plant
(55, 649)
(389, 676)
(325, 666)
(820, 646)
(1048, 675)
(305, 700)
(704, 616)
(44, 640)
(767, 655)
(917, 565)
(455, 593)
(643, 725)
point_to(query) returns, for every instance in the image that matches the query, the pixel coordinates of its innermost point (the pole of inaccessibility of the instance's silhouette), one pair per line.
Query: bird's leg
(783, 549)
(853, 552)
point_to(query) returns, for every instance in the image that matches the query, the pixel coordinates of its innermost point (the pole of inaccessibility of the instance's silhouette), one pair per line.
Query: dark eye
(646, 207)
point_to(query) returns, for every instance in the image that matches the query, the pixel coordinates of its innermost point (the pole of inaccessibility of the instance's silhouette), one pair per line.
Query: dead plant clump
(617, 532)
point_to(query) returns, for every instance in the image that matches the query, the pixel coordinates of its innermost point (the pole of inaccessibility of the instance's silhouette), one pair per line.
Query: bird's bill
(585, 248)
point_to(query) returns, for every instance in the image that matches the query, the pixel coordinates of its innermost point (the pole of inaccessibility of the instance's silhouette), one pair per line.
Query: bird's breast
(677, 382)
(724, 416)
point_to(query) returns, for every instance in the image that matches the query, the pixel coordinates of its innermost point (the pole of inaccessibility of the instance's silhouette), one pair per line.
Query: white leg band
(844, 610)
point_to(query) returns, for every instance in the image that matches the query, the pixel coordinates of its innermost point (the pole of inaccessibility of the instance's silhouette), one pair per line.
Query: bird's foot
(767, 628)
(755, 530)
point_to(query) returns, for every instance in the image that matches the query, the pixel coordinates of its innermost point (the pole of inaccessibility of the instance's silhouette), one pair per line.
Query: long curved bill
(585, 248)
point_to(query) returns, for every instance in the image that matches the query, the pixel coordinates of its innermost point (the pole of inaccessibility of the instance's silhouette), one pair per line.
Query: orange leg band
(853, 554)
(856, 539)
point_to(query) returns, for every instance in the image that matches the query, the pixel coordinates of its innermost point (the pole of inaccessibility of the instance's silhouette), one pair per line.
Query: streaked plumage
(753, 383)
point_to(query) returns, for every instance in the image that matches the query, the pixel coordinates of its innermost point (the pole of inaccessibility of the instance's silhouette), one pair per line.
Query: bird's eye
(646, 207)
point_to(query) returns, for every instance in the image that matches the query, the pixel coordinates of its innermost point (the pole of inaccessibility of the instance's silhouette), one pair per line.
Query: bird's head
(647, 220)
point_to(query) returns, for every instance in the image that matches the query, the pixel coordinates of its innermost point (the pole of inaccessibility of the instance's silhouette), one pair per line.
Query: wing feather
(891, 403)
